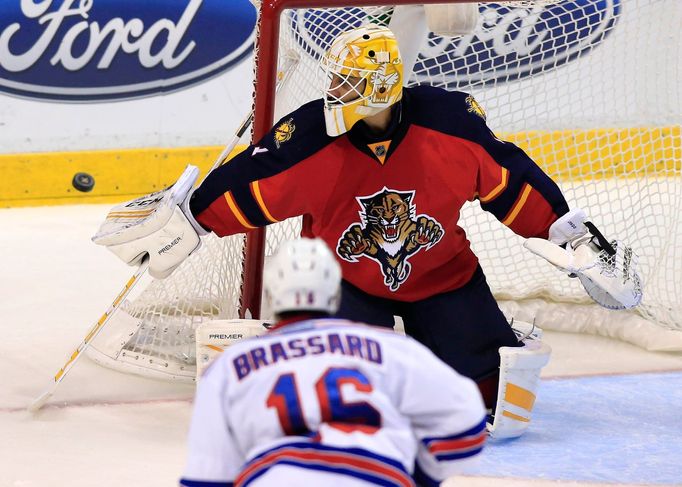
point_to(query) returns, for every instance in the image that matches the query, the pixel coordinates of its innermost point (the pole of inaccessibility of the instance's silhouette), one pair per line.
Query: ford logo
(96, 50)
(509, 42)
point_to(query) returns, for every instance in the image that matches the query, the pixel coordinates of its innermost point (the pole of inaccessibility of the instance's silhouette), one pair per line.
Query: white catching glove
(159, 225)
(607, 270)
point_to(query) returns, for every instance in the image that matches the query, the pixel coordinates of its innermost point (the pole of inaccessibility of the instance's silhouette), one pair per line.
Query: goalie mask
(363, 75)
(302, 276)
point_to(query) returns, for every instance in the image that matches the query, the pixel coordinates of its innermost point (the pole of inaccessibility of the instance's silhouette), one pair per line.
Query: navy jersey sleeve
(510, 184)
(234, 197)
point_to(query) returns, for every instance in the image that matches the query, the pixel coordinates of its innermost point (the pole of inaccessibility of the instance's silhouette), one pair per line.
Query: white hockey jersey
(319, 399)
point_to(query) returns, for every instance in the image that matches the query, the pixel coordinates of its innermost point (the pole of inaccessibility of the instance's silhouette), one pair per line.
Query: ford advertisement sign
(102, 50)
(99, 50)
(509, 42)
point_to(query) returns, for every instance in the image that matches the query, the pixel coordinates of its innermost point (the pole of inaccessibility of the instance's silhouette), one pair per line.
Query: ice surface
(106, 428)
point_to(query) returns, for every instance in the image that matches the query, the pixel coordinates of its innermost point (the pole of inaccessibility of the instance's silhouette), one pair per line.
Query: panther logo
(474, 107)
(389, 234)
(284, 132)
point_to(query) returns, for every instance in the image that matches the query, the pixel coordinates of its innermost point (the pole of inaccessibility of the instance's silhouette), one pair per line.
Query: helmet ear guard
(303, 275)
(366, 54)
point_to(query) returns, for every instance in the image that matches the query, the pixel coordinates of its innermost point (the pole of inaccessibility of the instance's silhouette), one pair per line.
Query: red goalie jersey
(388, 206)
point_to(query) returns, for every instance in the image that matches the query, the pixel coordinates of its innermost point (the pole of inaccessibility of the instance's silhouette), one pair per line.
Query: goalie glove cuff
(184, 206)
(568, 228)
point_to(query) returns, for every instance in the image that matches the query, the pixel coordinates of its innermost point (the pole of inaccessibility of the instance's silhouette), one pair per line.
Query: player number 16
(349, 416)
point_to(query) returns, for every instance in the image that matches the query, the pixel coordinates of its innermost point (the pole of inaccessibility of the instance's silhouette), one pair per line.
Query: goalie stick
(41, 400)
(291, 60)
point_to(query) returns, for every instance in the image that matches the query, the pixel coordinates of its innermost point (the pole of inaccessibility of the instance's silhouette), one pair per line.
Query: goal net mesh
(588, 88)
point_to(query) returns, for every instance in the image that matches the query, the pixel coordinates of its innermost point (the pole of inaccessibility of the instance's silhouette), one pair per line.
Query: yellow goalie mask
(363, 74)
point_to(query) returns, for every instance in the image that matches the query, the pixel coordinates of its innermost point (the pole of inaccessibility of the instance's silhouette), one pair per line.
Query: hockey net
(589, 88)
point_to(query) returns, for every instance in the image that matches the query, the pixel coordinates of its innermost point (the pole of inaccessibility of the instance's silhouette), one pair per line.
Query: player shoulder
(305, 124)
(432, 105)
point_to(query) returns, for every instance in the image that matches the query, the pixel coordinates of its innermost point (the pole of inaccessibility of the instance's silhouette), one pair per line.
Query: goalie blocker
(159, 225)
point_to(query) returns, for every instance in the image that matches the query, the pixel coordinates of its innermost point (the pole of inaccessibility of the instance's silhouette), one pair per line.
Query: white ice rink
(608, 413)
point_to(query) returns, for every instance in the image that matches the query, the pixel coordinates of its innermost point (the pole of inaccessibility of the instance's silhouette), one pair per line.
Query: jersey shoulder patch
(305, 123)
(474, 107)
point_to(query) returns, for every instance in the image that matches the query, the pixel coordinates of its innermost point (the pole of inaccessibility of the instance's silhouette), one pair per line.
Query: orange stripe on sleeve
(255, 190)
(237, 212)
(504, 180)
(527, 188)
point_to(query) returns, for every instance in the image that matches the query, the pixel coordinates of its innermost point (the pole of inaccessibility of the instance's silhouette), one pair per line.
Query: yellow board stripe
(602, 153)
(36, 179)
(518, 396)
(236, 211)
(39, 179)
(527, 188)
(497, 189)
(259, 198)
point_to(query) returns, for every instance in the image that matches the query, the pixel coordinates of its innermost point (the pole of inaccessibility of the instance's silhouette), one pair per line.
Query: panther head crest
(390, 232)
(389, 214)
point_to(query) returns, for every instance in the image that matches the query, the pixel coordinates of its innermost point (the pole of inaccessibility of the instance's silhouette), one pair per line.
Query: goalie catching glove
(159, 225)
(607, 270)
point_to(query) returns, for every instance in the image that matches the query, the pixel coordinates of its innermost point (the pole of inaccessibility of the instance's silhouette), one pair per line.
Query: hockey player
(383, 186)
(321, 401)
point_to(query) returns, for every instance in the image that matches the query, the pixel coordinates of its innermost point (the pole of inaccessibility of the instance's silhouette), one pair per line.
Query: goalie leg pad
(213, 337)
(519, 377)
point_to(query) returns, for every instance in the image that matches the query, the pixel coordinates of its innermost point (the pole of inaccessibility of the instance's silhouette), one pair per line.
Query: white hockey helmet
(302, 275)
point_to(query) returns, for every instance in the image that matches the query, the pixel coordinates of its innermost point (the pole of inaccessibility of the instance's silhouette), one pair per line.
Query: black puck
(84, 182)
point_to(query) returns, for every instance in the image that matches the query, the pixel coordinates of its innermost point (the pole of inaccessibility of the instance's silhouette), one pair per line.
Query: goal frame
(593, 147)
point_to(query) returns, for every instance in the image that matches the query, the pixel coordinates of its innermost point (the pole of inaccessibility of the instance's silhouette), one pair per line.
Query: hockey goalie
(382, 171)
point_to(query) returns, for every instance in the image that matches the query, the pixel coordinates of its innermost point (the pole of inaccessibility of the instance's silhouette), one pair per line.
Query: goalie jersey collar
(380, 147)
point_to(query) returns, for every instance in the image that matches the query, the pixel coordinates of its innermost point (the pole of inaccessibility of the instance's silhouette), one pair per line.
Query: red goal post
(589, 88)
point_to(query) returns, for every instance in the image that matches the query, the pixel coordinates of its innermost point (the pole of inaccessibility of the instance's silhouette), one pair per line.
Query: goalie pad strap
(603, 243)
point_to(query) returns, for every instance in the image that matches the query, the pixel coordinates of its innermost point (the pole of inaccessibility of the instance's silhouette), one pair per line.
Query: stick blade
(39, 402)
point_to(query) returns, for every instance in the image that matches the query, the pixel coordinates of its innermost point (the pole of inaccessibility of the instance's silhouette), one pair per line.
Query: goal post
(588, 88)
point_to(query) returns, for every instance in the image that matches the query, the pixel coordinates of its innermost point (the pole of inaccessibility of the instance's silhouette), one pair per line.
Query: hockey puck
(84, 182)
